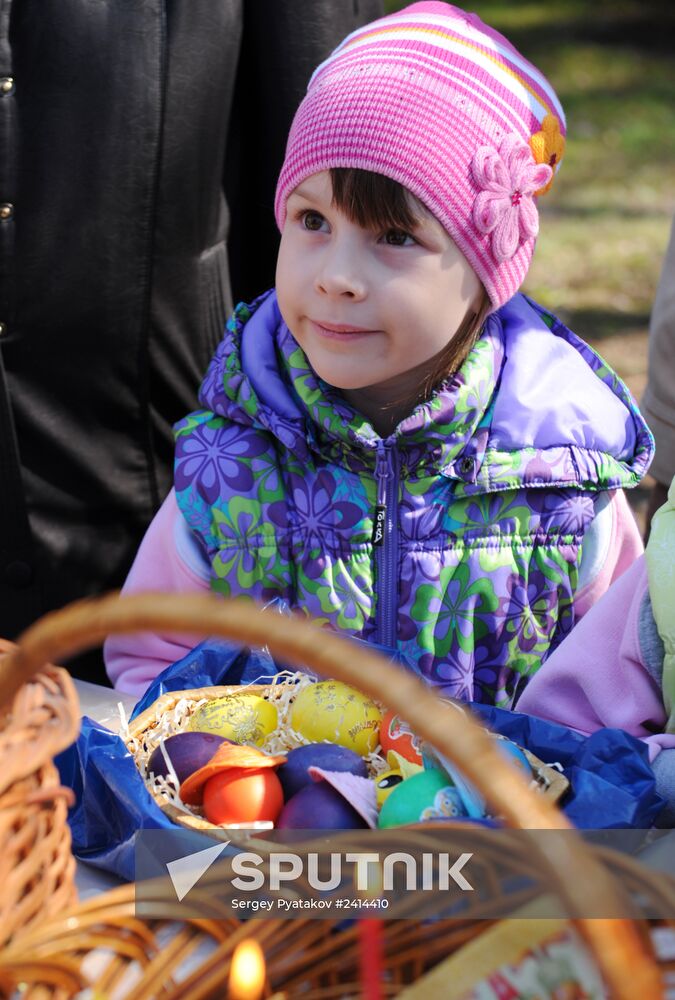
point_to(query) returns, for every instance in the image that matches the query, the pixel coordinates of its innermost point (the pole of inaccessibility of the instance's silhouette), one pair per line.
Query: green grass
(605, 222)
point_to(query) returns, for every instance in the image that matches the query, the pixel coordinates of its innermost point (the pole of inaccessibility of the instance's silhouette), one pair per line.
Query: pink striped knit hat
(436, 100)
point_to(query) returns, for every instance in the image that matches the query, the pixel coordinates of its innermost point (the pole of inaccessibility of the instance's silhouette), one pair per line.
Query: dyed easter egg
(400, 769)
(516, 756)
(427, 795)
(395, 734)
(319, 807)
(186, 751)
(243, 718)
(294, 774)
(237, 796)
(385, 783)
(232, 757)
(334, 712)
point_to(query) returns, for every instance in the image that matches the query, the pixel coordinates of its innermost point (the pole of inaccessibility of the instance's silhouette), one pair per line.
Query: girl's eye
(398, 238)
(313, 221)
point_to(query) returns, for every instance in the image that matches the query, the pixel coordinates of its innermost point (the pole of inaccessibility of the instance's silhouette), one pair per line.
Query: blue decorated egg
(516, 756)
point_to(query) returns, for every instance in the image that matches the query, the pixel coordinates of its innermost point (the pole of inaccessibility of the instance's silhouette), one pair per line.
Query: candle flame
(247, 972)
(375, 882)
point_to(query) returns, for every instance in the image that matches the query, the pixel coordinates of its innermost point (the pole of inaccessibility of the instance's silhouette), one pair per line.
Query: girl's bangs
(372, 200)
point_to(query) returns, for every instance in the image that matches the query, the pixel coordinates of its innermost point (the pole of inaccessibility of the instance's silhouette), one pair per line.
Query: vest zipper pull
(378, 524)
(380, 514)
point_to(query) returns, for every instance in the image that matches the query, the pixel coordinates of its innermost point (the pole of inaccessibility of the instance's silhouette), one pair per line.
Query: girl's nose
(339, 274)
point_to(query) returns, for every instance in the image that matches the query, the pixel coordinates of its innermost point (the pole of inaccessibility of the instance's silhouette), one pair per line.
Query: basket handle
(581, 879)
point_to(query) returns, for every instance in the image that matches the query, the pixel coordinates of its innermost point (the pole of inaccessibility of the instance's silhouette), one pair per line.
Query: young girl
(394, 442)
(617, 669)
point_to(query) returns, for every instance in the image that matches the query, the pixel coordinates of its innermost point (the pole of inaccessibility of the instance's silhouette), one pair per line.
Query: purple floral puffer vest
(457, 539)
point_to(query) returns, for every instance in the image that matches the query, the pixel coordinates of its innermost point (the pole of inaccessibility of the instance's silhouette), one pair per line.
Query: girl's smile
(365, 305)
(340, 331)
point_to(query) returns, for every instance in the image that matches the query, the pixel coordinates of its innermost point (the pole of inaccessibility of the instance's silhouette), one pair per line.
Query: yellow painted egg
(385, 783)
(400, 769)
(333, 711)
(244, 718)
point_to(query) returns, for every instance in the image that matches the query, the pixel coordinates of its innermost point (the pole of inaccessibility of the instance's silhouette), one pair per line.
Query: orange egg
(395, 734)
(243, 796)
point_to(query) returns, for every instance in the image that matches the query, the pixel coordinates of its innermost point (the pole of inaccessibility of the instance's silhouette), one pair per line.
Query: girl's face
(371, 310)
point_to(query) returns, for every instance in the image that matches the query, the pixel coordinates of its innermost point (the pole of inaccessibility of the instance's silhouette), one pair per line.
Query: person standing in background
(658, 403)
(129, 133)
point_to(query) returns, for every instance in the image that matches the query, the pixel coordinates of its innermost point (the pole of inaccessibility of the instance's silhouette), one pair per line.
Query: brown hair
(378, 202)
(373, 200)
(457, 350)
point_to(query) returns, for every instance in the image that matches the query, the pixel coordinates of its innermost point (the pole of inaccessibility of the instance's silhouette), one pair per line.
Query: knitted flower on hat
(443, 104)
(508, 179)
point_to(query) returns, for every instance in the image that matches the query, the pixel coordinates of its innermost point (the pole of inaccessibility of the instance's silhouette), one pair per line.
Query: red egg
(243, 796)
(395, 734)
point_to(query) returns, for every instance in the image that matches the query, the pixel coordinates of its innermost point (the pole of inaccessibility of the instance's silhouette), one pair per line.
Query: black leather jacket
(122, 124)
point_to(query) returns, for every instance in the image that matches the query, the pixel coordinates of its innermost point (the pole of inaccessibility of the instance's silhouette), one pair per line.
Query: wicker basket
(618, 944)
(101, 945)
(36, 866)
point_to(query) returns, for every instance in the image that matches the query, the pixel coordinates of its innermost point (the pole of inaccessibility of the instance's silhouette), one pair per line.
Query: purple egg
(293, 775)
(187, 752)
(319, 807)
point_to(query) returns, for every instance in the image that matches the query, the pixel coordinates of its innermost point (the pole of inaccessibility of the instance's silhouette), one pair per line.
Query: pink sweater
(597, 677)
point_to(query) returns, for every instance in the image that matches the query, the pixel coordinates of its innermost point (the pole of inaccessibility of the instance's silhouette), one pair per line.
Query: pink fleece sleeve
(596, 678)
(167, 560)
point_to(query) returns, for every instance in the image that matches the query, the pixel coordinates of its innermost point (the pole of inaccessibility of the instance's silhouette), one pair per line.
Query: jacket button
(3, 329)
(6, 84)
(18, 574)
(6, 210)
(466, 466)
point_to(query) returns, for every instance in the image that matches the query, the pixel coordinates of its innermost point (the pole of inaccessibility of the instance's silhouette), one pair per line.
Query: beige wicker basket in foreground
(36, 865)
(618, 944)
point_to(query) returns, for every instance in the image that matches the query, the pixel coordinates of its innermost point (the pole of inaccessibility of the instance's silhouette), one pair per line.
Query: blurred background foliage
(606, 220)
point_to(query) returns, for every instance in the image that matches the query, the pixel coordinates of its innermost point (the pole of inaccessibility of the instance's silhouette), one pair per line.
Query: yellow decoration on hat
(548, 146)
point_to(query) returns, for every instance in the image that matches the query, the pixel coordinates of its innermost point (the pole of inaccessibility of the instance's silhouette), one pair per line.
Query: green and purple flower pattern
(489, 539)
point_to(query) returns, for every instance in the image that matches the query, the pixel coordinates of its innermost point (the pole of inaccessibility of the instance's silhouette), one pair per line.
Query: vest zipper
(386, 543)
